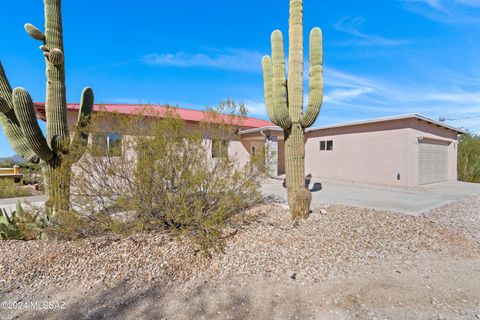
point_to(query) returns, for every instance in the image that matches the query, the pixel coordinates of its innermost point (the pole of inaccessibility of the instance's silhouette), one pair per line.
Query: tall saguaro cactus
(284, 101)
(19, 121)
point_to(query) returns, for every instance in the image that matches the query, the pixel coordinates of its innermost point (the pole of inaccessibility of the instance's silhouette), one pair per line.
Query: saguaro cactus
(19, 121)
(284, 101)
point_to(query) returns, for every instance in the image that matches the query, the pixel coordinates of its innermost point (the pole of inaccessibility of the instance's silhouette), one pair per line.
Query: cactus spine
(19, 121)
(284, 101)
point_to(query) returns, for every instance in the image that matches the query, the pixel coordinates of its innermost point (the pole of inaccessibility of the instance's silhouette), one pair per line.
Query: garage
(406, 150)
(433, 161)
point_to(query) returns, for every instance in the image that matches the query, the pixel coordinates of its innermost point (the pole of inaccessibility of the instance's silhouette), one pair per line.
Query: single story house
(11, 173)
(407, 150)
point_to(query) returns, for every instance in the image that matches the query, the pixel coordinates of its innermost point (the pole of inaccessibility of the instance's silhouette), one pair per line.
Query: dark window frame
(323, 145)
(329, 145)
(326, 145)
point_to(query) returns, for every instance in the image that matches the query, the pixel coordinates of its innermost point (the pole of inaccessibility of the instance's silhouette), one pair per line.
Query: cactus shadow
(317, 186)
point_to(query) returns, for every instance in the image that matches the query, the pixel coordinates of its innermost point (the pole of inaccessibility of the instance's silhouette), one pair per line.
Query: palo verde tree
(284, 101)
(19, 122)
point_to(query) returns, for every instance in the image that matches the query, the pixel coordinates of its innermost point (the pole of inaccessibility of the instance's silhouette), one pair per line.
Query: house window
(114, 144)
(107, 144)
(219, 148)
(253, 151)
(326, 145)
(330, 145)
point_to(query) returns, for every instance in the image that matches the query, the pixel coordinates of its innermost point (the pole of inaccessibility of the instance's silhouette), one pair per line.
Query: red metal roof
(159, 111)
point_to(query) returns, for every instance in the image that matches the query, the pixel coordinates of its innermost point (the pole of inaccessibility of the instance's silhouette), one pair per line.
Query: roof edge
(390, 118)
(368, 121)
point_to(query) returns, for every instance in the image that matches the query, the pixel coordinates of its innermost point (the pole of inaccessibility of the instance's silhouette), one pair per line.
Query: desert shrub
(9, 189)
(469, 158)
(164, 176)
(21, 224)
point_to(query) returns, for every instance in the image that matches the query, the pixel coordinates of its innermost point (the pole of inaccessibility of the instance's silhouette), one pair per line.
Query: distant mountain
(13, 159)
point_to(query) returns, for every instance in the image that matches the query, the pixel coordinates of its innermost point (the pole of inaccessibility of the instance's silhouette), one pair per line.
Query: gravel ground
(263, 247)
(462, 216)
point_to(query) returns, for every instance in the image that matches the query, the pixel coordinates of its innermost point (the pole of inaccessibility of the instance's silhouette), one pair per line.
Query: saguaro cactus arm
(268, 87)
(80, 139)
(276, 105)
(316, 79)
(4, 108)
(11, 126)
(275, 70)
(23, 106)
(34, 32)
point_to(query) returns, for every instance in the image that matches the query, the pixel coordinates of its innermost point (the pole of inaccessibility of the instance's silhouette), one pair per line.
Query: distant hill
(13, 159)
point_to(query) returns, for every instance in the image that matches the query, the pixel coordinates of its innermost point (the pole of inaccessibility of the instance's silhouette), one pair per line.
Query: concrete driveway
(413, 201)
(10, 204)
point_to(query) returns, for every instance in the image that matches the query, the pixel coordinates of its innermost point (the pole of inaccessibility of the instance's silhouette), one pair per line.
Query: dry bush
(9, 189)
(163, 177)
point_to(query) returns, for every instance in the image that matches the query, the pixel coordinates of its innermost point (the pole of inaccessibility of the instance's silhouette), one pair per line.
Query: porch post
(271, 155)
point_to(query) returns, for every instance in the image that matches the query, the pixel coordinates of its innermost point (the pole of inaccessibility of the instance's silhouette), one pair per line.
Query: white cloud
(345, 95)
(351, 97)
(361, 97)
(230, 59)
(256, 108)
(469, 3)
(350, 26)
(447, 11)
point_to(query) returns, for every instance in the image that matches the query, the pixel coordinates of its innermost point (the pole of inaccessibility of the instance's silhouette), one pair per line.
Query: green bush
(469, 158)
(165, 178)
(20, 224)
(9, 189)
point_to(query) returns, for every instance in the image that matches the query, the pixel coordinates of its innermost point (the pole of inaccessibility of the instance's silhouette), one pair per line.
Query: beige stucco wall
(375, 153)
(238, 149)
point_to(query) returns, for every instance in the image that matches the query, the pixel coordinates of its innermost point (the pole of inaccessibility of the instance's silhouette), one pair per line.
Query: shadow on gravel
(274, 199)
(124, 302)
(115, 303)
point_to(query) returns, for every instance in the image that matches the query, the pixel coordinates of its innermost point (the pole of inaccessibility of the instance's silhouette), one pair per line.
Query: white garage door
(433, 161)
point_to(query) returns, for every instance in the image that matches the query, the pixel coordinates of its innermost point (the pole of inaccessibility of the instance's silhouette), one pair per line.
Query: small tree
(469, 158)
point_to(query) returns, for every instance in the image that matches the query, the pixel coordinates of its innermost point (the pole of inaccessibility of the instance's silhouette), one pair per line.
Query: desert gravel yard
(342, 263)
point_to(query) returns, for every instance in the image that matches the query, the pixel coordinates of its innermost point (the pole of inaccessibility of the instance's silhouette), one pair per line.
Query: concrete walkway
(9, 204)
(413, 201)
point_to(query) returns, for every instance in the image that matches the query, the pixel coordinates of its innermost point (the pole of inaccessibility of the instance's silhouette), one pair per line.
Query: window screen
(322, 145)
(329, 145)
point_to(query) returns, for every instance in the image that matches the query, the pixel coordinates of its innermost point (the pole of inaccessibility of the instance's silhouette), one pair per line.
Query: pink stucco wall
(375, 152)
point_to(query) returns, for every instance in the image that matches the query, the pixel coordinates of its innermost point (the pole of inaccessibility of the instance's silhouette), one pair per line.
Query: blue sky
(381, 57)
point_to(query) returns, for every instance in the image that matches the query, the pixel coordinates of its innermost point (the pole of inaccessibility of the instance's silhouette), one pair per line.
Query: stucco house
(407, 150)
